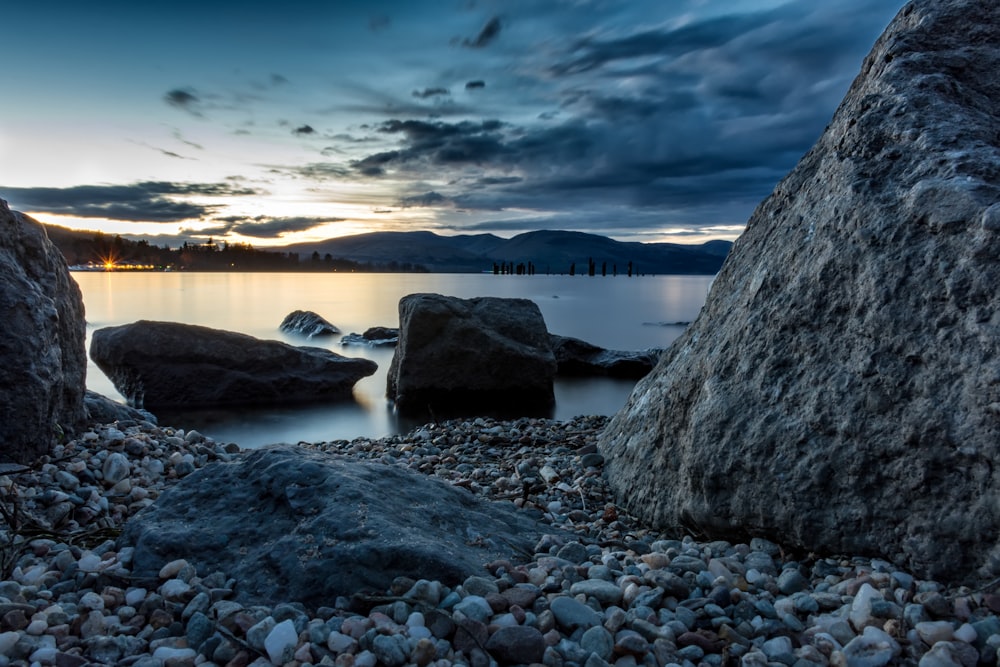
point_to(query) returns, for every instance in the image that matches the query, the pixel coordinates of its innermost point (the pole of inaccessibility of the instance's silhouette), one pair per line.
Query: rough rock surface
(291, 523)
(167, 364)
(840, 390)
(469, 354)
(43, 356)
(307, 323)
(578, 357)
(103, 410)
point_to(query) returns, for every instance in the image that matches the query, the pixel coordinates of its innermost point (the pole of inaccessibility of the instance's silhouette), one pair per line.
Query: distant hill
(548, 251)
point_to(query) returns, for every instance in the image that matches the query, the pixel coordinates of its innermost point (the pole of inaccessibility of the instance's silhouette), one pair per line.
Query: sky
(273, 123)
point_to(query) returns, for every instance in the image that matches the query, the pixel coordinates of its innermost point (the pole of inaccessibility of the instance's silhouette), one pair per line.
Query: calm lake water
(617, 313)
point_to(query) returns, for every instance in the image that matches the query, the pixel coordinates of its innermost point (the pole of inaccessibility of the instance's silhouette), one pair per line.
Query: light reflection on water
(611, 312)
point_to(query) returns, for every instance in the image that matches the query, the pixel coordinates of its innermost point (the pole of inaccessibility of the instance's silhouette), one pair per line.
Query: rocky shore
(616, 594)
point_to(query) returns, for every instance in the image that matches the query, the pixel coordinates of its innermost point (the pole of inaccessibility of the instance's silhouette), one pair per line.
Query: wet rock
(167, 364)
(307, 323)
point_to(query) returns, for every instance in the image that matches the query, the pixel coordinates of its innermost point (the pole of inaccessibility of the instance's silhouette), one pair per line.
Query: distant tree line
(106, 249)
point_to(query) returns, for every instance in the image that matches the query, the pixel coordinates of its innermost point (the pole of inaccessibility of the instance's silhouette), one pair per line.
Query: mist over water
(617, 313)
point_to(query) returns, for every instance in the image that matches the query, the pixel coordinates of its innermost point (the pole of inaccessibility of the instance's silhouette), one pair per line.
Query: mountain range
(544, 251)
(548, 251)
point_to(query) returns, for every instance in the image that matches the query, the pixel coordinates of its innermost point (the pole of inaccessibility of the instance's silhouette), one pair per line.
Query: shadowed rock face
(43, 356)
(166, 364)
(307, 323)
(295, 524)
(840, 391)
(471, 354)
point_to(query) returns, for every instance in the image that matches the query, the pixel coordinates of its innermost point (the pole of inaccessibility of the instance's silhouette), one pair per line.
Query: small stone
(874, 648)
(599, 641)
(604, 592)
(281, 642)
(388, 650)
(572, 614)
(517, 645)
(791, 581)
(932, 632)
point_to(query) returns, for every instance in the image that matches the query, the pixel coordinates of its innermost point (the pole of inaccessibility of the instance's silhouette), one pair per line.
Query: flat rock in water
(580, 358)
(307, 323)
(373, 337)
(840, 390)
(167, 364)
(43, 355)
(299, 525)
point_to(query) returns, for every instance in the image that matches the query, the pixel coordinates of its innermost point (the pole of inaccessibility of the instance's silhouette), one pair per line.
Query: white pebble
(172, 568)
(91, 600)
(966, 633)
(281, 642)
(932, 632)
(365, 659)
(337, 642)
(36, 627)
(135, 596)
(89, 562)
(174, 589)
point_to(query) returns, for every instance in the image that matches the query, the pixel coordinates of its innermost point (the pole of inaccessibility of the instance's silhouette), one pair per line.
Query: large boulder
(840, 390)
(471, 354)
(43, 355)
(290, 523)
(168, 365)
(579, 358)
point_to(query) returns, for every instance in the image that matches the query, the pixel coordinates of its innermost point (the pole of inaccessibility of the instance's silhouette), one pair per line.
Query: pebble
(617, 594)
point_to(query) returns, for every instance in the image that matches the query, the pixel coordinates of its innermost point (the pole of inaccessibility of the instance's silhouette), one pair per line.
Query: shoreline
(620, 594)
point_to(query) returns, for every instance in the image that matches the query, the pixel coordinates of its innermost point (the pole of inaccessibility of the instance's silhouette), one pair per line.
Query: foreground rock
(307, 323)
(469, 354)
(310, 526)
(840, 390)
(103, 410)
(614, 593)
(166, 364)
(578, 357)
(43, 357)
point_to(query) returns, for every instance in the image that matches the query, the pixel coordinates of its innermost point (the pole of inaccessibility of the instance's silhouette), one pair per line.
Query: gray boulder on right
(471, 354)
(840, 390)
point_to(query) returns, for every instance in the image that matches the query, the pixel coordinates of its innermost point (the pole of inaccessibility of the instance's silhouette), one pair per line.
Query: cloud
(262, 227)
(430, 92)
(184, 99)
(486, 36)
(147, 201)
(304, 130)
(425, 200)
(472, 85)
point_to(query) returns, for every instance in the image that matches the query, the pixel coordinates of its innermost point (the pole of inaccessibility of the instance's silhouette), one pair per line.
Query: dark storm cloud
(370, 100)
(590, 54)
(148, 201)
(472, 85)
(435, 142)
(304, 130)
(262, 227)
(486, 36)
(430, 92)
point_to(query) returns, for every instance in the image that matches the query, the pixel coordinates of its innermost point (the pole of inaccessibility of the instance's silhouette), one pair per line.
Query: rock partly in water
(307, 323)
(840, 391)
(578, 357)
(292, 523)
(167, 364)
(43, 356)
(373, 337)
(103, 410)
(471, 354)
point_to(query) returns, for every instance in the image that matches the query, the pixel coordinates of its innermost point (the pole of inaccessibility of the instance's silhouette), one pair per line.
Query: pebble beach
(616, 593)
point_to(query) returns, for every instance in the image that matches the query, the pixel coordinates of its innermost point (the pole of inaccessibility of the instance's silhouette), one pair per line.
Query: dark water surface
(618, 313)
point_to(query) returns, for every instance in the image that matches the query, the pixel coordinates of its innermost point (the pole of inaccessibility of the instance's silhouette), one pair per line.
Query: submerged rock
(373, 337)
(43, 356)
(840, 391)
(470, 354)
(578, 357)
(307, 323)
(167, 364)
